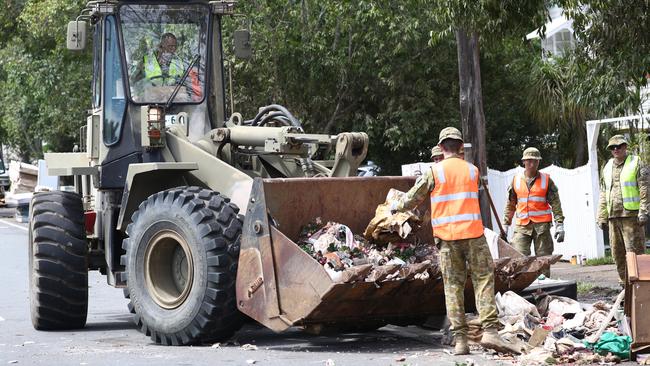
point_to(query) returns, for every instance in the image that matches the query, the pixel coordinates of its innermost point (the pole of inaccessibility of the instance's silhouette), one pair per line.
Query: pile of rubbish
(387, 250)
(348, 257)
(23, 177)
(560, 330)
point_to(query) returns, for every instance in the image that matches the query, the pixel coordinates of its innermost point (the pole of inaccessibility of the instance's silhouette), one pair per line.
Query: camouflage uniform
(625, 232)
(454, 259)
(537, 232)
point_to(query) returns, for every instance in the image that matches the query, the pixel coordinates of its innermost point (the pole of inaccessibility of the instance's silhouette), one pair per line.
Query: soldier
(436, 154)
(452, 187)
(161, 67)
(623, 203)
(534, 197)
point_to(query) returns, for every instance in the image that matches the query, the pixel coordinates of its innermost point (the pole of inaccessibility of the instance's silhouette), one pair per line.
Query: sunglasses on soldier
(617, 147)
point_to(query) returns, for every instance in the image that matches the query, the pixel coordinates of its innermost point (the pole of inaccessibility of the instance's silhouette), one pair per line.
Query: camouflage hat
(450, 133)
(532, 154)
(435, 151)
(617, 140)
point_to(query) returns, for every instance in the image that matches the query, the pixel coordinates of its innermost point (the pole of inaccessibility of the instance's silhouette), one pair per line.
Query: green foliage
(352, 66)
(44, 88)
(386, 68)
(359, 66)
(553, 100)
(614, 47)
(498, 24)
(584, 287)
(640, 145)
(494, 20)
(510, 128)
(599, 261)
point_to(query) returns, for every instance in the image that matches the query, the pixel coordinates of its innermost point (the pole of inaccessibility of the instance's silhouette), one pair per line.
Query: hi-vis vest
(153, 69)
(532, 204)
(629, 185)
(455, 210)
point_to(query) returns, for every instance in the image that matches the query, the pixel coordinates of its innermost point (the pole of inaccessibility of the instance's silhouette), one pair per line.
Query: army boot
(492, 340)
(461, 347)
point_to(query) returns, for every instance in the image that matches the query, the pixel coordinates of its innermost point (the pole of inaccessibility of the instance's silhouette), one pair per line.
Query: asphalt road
(111, 339)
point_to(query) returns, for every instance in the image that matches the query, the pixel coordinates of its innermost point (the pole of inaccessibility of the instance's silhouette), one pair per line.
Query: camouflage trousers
(456, 257)
(625, 235)
(537, 233)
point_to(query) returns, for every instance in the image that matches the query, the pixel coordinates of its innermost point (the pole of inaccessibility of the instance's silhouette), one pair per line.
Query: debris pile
(23, 177)
(350, 258)
(560, 330)
(390, 227)
(389, 250)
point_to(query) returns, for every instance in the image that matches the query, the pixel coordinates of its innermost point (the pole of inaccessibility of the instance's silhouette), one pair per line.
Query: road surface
(111, 339)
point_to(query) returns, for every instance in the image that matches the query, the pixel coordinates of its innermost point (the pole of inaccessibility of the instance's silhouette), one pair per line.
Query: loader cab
(148, 53)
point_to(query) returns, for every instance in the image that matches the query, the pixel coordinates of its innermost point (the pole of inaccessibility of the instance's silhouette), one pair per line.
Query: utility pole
(471, 110)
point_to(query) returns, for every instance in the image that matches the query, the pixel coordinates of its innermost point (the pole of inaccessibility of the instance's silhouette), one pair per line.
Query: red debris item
(89, 220)
(197, 91)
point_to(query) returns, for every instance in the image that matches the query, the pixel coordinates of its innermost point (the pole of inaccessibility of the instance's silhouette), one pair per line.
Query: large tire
(58, 265)
(181, 264)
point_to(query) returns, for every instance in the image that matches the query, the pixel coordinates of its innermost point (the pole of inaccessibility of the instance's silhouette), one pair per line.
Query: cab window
(97, 64)
(114, 102)
(165, 48)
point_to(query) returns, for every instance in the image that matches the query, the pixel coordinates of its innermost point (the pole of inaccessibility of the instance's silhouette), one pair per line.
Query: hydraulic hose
(276, 107)
(278, 116)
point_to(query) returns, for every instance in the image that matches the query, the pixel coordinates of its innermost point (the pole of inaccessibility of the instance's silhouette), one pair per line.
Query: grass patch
(584, 287)
(599, 261)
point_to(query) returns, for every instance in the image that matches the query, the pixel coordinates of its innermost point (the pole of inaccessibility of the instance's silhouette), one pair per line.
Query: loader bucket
(279, 285)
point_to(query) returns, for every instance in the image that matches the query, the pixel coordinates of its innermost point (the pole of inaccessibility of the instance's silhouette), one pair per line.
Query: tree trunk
(471, 109)
(581, 143)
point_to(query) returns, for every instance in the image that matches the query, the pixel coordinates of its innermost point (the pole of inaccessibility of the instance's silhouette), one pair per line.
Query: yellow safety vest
(629, 184)
(152, 69)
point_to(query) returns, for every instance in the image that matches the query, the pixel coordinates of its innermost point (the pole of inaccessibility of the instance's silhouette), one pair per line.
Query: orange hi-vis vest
(532, 204)
(455, 209)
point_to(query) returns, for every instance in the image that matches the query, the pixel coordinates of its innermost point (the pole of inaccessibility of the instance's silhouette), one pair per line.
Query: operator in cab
(157, 73)
(162, 66)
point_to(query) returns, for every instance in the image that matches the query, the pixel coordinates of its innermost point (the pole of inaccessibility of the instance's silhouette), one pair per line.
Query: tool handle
(504, 235)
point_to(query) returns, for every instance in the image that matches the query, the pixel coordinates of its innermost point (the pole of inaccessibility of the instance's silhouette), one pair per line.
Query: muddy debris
(348, 257)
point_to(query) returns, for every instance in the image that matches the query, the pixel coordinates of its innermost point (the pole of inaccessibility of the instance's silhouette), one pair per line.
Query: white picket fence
(575, 190)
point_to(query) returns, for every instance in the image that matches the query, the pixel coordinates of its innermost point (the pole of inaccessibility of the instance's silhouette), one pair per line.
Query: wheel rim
(168, 268)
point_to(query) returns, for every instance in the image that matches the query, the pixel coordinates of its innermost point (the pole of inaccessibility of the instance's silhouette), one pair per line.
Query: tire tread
(58, 262)
(219, 228)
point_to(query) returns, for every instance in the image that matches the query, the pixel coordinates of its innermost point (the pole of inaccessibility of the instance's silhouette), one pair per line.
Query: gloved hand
(643, 218)
(602, 225)
(559, 232)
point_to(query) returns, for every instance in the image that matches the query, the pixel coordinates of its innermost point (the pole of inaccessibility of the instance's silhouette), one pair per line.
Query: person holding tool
(452, 187)
(533, 200)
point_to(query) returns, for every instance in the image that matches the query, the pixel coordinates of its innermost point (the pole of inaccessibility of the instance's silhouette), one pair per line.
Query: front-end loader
(193, 209)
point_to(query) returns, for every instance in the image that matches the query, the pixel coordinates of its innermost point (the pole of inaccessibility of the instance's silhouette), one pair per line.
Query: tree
(552, 102)
(510, 127)
(469, 21)
(614, 48)
(352, 66)
(44, 88)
